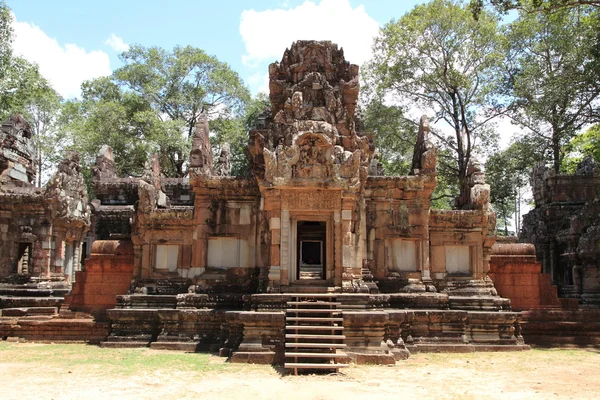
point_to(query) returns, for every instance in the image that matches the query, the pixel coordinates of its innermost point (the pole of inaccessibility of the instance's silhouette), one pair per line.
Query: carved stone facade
(564, 226)
(216, 259)
(41, 229)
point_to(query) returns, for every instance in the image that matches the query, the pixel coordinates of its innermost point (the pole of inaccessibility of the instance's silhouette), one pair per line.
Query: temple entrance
(311, 250)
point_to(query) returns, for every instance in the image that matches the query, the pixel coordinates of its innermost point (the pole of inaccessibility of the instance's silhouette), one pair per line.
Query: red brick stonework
(108, 273)
(517, 275)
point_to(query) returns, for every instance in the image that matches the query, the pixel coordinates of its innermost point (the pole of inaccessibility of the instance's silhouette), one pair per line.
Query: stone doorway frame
(290, 247)
(322, 240)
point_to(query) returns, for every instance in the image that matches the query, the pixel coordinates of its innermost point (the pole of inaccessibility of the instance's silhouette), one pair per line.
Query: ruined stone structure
(42, 229)
(315, 258)
(564, 226)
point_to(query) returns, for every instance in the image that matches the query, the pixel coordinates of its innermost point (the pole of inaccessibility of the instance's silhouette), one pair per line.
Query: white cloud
(266, 34)
(260, 82)
(65, 66)
(117, 43)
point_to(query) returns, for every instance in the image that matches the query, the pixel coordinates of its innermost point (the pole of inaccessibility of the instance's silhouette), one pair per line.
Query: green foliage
(395, 136)
(438, 57)
(25, 91)
(544, 6)
(581, 146)
(183, 83)
(553, 76)
(151, 105)
(254, 109)
(5, 38)
(507, 172)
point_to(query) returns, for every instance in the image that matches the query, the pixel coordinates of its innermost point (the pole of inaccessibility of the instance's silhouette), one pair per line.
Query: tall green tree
(507, 172)
(5, 38)
(43, 114)
(125, 121)
(439, 58)
(395, 136)
(152, 104)
(25, 91)
(529, 6)
(183, 83)
(552, 76)
(586, 144)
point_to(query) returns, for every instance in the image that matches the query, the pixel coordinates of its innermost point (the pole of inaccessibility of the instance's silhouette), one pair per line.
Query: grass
(134, 361)
(110, 361)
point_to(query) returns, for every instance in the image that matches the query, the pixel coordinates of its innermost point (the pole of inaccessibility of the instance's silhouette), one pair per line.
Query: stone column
(275, 251)
(284, 258)
(337, 247)
(59, 254)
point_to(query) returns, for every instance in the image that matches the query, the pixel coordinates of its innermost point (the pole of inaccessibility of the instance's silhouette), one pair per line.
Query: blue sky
(70, 39)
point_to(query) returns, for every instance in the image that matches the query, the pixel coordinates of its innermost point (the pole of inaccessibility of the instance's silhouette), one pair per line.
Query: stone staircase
(314, 333)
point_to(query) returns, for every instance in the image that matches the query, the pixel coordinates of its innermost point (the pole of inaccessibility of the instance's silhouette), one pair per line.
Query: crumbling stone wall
(564, 226)
(41, 229)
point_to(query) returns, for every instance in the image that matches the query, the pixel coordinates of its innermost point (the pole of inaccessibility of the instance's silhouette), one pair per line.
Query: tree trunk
(556, 151)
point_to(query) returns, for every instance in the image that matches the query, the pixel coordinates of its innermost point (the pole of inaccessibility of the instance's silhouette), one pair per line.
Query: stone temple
(314, 261)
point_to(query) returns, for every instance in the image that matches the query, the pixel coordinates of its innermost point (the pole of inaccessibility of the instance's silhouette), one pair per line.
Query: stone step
(313, 295)
(315, 327)
(314, 303)
(315, 366)
(313, 310)
(313, 336)
(21, 302)
(315, 319)
(317, 345)
(28, 311)
(316, 355)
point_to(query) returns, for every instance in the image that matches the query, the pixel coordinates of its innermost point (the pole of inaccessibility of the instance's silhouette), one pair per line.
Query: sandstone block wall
(108, 273)
(517, 275)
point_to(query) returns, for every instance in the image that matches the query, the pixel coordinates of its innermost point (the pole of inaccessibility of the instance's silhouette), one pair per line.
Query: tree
(437, 56)
(124, 121)
(152, 104)
(535, 6)
(42, 113)
(5, 38)
(552, 76)
(183, 83)
(395, 136)
(25, 91)
(508, 171)
(583, 145)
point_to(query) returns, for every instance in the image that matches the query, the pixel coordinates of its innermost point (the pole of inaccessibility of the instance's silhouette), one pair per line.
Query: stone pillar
(284, 258)
(349, 268)
(337, 247)
(275, 251)
(59, 254)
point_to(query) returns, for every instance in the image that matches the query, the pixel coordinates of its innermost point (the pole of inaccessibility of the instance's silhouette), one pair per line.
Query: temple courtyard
(50, 371)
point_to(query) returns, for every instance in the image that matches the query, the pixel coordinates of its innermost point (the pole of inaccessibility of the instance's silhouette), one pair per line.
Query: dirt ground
(537, 374)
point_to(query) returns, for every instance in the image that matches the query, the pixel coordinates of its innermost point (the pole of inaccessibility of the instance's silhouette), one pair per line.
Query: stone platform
(375, 332)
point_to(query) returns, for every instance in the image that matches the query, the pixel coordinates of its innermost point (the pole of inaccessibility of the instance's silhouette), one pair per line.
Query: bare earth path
(32, 371)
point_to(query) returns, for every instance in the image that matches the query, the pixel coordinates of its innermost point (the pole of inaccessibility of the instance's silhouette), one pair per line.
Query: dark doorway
(311, 250)
(24, 259)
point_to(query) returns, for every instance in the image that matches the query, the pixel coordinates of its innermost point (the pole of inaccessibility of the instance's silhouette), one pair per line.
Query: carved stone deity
(223, 164)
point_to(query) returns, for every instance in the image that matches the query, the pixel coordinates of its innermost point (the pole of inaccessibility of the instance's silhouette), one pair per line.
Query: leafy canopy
(438, 58)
